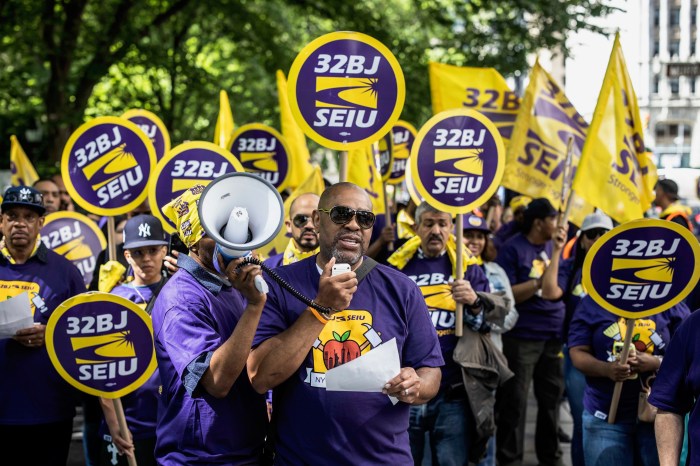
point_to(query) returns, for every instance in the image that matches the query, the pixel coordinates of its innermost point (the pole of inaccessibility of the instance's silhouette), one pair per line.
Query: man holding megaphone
(368, 306)
(203, 326)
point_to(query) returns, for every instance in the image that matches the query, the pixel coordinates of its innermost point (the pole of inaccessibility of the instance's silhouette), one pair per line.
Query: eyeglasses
(300, 220)
(342, 215)
(594, 233)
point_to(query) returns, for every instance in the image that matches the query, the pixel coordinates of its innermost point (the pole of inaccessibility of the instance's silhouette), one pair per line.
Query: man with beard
(36, 405)
(429, 259)
(295, 346)
(304, 239)
(533, 346)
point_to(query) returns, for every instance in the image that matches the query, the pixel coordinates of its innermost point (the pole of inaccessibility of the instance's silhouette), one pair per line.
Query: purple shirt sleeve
(191, 341)
(580, 332)
(671, 390)
(508, 260)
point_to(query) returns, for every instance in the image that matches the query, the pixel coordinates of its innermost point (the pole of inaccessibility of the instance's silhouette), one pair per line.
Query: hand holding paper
(368, 373)
(15, 314)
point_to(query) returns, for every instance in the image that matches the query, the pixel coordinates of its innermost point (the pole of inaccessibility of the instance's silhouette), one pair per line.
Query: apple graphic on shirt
(340, 350)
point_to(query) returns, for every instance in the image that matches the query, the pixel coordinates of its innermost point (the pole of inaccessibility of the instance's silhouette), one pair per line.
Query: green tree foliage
(67, 61)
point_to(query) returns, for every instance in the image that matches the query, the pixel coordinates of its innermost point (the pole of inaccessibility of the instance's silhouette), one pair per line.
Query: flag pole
(623, 360)
(459, 274)
(566, 191)
(387, 214)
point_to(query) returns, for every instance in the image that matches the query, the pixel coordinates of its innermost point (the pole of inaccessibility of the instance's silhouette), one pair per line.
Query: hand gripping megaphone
(240, 212)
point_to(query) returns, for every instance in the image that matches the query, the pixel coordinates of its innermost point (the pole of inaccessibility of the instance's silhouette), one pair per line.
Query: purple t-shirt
(570, 279)
(194, 314)
(433, 276)
(507, 231)
(597, 328)
(540, 319)
(315, 426)
(274, 261)
(31, 391)
(141, 405)
(677, 387)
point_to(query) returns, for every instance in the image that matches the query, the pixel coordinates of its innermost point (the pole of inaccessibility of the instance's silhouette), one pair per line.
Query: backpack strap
(152, 302)
(367, 265)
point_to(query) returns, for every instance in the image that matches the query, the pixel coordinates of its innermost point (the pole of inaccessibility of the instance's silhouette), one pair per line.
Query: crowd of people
(241, 374)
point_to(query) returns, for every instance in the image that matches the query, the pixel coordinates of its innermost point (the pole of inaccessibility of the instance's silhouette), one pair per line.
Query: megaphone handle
(261, 285)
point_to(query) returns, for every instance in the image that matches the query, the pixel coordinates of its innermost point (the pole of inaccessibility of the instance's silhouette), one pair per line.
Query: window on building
(694, 15)
(674, 85)
(692, 85)
(674, 16)
(674, 47)
(657, 15)
(655, 86)
(656, 48)
(692, 46)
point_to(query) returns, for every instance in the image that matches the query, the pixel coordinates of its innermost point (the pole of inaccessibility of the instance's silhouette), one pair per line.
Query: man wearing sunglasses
(36, 405)
(304, 239)
(295, 346)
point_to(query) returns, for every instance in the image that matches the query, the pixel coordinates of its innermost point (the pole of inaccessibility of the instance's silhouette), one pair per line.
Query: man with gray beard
(296, 345)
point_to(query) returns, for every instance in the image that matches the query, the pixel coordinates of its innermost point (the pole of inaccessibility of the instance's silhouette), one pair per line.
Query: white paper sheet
(368, 373)
(15, 314)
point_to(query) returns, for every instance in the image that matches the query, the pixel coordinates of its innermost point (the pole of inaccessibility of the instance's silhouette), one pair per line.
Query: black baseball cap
(540, 208)
(670, 187)
(144, 230)
(23, 196)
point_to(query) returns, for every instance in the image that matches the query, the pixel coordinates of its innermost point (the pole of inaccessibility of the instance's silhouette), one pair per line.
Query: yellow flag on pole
(537, 152)
(312, 184)
(362, 171)
(224, 122)
(300, 167)
(22, 170)
(483, 89)
(616, 173)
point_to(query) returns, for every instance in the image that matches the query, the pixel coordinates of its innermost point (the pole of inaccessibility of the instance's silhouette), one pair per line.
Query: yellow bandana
(409, 249)
(292, 254)
(6, 252)
(110, 274)
(404, 225)
(182, 211)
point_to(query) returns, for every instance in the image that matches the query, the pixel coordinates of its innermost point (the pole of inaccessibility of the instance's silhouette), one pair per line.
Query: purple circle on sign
(103, 345)
(76, 240)
(346, 90)
(109, 166)
(187, 168)
(642, 268)
(457, 160)
(403, 142)
(262, 154)
(152, 132)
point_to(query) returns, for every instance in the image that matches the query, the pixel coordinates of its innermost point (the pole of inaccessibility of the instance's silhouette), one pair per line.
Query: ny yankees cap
(23, 196)
(144, 230)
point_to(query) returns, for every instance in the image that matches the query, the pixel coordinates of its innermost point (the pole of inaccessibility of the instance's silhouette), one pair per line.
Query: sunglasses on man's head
(300, 220)
(594, 233)
(342, 215)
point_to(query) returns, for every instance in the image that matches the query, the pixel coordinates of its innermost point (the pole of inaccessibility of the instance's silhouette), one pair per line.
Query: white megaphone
(240, 212)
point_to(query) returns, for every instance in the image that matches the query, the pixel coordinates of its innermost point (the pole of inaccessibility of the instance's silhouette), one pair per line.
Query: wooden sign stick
(459, 272)
(623, 360)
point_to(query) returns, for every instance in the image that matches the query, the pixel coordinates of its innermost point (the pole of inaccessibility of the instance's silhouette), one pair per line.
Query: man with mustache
(296, 345)
(36, 404)
(429, 260)
(304, 239)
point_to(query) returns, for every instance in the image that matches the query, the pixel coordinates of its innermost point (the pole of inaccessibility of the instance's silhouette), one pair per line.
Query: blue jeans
(448, 423)
(490, 458)
(619, 444)
(575, 383)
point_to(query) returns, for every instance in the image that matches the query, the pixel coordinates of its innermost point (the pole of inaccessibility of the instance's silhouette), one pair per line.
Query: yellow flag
(300, 167)
(312, 184)
(23, 172)
(483, 89)
(616, 173)
(537, 152)
(362, 170)
(224, 123)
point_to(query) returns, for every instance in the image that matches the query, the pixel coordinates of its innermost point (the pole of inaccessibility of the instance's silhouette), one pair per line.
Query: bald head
(334, 194)
(299, 222)
(306, 199)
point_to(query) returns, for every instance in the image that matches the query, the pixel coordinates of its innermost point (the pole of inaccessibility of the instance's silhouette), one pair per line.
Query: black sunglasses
(343, 215)
(594, 233)
(17, 196)
(300, 220)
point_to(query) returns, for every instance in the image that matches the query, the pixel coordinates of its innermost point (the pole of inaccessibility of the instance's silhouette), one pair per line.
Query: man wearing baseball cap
(36, 404)
(668, 200)
(145, 247)
(533, 345)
